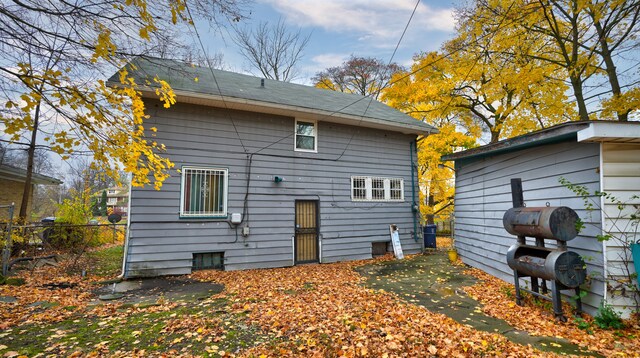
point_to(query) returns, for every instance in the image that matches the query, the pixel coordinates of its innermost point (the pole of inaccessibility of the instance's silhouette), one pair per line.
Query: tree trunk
(495, 136)
(26, 194)
(576, 83)
(611, 70)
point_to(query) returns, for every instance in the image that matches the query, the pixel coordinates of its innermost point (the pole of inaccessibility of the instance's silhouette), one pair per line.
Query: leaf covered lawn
(312, 310)
(536, 317)
(324, 310)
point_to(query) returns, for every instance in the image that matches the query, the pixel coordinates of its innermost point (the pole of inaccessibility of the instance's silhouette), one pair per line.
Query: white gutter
(601, 131)
(126, 236)
(605, 268)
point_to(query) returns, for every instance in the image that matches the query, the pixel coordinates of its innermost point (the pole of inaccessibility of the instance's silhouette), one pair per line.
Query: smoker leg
(557, 302)
(534, 285)
(517, 285)
(578, 311)
(545, 290)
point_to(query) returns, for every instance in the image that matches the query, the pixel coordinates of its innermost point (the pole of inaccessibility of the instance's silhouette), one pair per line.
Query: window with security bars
(359, 188)
(377, 189)
(396, 189)
(204, 192)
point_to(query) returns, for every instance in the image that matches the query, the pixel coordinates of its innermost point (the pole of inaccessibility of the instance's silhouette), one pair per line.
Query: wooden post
(6, 251)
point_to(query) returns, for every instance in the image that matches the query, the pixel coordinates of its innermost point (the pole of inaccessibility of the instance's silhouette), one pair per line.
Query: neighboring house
(603, 156)
(269, 174)
(118, 200)
(12, 187)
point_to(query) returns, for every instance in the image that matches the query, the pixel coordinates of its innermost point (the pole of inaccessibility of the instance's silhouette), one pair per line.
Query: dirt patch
(151, 290)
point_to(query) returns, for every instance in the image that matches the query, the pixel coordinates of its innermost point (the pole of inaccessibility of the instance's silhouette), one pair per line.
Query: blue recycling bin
(635, 252)
(429, 234)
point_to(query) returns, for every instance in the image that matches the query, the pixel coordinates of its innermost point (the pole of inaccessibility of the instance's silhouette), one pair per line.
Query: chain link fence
(47, 239)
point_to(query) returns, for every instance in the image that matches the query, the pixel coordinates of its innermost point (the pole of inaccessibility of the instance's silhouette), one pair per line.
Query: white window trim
(224, 214)
(315, 135)
(369, 189)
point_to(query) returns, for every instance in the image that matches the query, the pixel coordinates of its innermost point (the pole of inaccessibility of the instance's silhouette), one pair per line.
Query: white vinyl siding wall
(621, 178)
(483, 194)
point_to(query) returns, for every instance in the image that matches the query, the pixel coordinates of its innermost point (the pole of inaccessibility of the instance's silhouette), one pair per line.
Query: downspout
(125, 253)
(414, 208)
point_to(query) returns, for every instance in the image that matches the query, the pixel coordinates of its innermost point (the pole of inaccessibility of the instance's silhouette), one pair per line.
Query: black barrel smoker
(564, 269)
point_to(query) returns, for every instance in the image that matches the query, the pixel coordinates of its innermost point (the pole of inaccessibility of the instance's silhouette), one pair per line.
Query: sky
(339, 28)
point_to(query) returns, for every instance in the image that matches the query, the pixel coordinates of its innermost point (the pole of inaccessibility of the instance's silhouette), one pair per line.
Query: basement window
(208, 260)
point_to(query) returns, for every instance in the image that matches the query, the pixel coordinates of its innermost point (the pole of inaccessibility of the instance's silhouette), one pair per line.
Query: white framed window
(203, 192)
(377, 189)
(112, 201)
(358, 188)
(306, 138)
(396, 189)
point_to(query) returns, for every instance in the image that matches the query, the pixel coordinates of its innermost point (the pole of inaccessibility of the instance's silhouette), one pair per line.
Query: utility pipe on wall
(414, 209)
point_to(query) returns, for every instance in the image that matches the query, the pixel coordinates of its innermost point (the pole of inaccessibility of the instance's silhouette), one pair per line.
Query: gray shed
(270, 174)
(603, 156)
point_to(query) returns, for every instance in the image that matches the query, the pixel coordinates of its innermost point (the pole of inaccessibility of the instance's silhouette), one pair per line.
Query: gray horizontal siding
(202, 136)
(483, 194)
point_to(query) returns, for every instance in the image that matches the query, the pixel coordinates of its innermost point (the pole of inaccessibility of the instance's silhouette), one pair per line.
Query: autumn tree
(272, 49)
(365, 76)
(54, 57)
(587, 40)
(436, 177)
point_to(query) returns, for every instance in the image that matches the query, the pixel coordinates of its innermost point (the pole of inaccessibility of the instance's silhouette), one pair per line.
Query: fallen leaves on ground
(324, 310)
(498, 299)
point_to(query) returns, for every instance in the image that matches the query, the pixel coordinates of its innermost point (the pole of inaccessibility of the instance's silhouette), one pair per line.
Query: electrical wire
(215, 80)
(381, 87)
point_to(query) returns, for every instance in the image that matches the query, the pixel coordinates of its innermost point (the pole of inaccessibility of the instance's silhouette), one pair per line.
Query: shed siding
(483, 194)
(162, 243)
(621, 178)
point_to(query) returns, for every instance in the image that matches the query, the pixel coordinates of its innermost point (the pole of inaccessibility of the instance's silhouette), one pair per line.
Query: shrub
(607, 317)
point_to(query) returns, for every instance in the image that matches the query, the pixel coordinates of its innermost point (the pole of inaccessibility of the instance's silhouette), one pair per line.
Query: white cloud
(327, 60)
(379, 22)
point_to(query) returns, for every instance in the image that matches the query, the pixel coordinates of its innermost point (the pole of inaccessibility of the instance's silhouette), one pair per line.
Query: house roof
(592, 131)
(9, 172)
(238, 91)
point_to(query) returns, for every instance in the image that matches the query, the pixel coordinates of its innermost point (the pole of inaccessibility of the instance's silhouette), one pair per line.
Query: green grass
(212, 329)
(107, 262)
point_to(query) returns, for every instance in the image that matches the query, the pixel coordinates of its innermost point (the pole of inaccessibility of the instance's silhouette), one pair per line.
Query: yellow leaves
(104, 46)
(165, 92)
(178, 8)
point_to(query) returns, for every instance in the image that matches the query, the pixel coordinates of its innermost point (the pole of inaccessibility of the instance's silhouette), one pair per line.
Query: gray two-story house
(269, 174)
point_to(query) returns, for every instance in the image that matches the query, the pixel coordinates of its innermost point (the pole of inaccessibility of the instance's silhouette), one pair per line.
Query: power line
(215, 80)
(377, 74)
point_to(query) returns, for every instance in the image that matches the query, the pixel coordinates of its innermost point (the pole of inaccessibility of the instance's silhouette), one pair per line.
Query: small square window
(377, 189)
(208, 260)
(396, 189)
(359, 188)
(306, 138)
